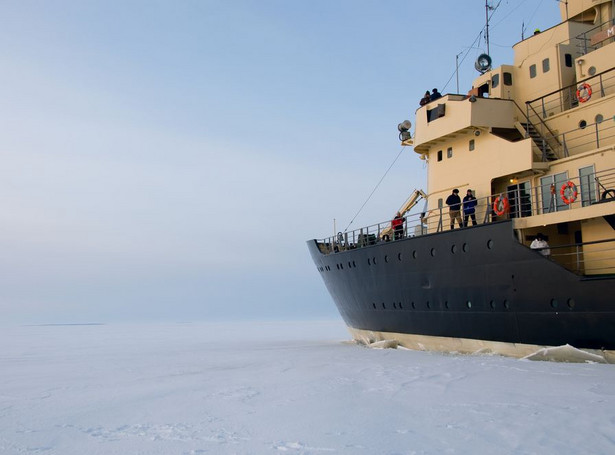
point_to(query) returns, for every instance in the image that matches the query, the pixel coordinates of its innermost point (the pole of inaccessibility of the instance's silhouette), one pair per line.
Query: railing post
(601, 86)
(544, 111)
(565, 145)
(597, 136)
(527, 117)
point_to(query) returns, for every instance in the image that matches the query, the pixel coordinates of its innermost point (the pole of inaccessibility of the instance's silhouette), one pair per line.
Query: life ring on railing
(584, 92)
(569, 192)
(501, 205)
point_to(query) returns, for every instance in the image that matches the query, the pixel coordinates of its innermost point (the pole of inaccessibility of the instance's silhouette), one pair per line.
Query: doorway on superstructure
(520, 199)
(549, 188)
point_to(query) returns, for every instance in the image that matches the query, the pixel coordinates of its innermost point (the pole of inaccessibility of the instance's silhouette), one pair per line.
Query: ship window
(465, 247)
(374, 305)
(490, 244)
(545, 65)
(553, 303)
(507, 78)
(400, 306)
(599, 118)
(568, 60)
(399, 256)
(439, 155)
(471, 145)
(571, 303)
(582, 124)
(469, 304)
(495, 80)
(592, 70)
(492, 304)
(532, 71)
(449, 152)
(433, 252)
(454, 249)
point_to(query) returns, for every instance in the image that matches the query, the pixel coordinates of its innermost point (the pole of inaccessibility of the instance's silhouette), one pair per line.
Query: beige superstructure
(538, 135)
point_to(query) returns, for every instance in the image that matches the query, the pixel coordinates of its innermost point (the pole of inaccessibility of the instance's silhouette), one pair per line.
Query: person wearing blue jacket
(469, 208)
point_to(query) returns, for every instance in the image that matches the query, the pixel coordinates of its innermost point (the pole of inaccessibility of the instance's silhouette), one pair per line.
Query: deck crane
(414, 198)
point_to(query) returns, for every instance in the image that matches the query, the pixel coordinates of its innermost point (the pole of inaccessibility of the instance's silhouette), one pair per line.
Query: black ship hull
(477, 283)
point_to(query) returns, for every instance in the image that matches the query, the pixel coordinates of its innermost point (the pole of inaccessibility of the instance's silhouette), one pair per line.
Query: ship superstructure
(535, 142)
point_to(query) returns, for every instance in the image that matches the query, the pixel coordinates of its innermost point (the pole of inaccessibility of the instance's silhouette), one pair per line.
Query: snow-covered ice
(285, 388)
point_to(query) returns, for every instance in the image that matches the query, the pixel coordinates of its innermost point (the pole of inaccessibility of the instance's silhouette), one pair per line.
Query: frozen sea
(285, 388)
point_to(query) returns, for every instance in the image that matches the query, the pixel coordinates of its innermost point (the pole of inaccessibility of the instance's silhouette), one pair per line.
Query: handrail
(591, 189)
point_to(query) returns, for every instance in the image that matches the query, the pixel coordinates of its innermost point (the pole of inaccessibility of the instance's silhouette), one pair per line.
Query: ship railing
(593, 259)
(585, 137)
(557, 193)
(584, 39)
(566, 98)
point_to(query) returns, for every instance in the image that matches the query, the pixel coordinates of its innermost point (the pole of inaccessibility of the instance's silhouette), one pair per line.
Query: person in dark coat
(469, 208)
(426, 99)
(435, 94)
(454, 208)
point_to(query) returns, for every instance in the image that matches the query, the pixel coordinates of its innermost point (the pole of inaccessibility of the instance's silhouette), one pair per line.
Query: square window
(471, 145)
(507, 79)
(545, 65)
(495, 80)
(532, 71)
(439, 155)
(449, 152)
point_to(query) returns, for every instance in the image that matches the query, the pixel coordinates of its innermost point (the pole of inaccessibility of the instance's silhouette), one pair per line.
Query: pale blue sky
(168, 160)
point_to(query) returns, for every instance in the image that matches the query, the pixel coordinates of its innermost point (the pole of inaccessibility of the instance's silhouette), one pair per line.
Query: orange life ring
(584, 92)
(501, 205)
(569, 192)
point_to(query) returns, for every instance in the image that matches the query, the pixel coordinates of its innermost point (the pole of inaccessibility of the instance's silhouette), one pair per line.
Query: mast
(487, 25)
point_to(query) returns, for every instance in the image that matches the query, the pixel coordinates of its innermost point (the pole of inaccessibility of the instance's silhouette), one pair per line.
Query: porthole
(374, 305)
(489, 244)
(413, 305)
(341, 266)
(492, 304)
(571, 303)
(386, 259)
(465, 247)
(338, 266)
(399, 257)
(354, 264)
(433, 252)
(428, 304)
(384, 307)
(506, 305)
(414, 255)
(582, 124)
(446, 304)
(374, 261)
(400, 306)
(369, 261)
(592, 70)
(394, 305)
(469, 304)
(599, 118)
(349, 265)
(454, 249)
(553, 303)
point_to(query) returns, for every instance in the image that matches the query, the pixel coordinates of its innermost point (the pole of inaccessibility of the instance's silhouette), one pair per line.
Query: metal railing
(566, 98)
(584, 39)
(589, 258)
(559, 194)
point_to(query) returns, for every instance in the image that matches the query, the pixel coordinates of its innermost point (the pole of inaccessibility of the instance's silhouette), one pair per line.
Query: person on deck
(539, 243)
(398, 226)
(426, 99)
(469, 208)
(454, 208)
(435, 94)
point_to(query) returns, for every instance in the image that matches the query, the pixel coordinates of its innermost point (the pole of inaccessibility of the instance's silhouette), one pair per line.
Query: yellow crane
(414, 198)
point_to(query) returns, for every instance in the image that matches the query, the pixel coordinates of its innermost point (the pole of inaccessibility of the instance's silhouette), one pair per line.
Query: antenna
(487, 7)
